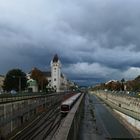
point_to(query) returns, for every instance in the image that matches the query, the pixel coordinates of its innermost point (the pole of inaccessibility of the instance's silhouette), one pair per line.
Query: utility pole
(19, 83)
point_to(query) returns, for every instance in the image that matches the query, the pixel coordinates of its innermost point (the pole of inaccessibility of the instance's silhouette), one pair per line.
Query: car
(13, 92)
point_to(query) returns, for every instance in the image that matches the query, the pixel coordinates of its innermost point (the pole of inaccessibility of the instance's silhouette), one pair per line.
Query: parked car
(13, 92)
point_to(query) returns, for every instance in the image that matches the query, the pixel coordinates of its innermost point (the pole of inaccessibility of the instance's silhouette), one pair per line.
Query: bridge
(37, 116)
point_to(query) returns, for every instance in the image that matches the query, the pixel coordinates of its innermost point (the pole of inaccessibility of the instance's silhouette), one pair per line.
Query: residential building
(1, 81)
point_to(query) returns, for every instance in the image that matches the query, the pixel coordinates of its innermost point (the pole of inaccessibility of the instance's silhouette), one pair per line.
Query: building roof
(111, 81)
(32, 82)
(55, 59)
(1, 75)
(47, 73)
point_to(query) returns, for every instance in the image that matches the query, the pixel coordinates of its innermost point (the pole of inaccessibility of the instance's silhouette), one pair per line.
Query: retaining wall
(125, 104)
(14, 114)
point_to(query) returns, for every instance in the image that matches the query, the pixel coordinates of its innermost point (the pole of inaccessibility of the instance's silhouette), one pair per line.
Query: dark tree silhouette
(15, 80)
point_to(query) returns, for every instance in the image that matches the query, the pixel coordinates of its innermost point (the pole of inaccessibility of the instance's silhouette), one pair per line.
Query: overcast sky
(96, 40)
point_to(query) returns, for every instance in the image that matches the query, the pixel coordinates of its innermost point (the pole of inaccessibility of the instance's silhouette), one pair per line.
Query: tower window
(54, 79)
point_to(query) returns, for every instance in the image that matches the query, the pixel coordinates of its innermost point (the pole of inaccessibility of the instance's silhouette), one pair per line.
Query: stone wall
(14, 114)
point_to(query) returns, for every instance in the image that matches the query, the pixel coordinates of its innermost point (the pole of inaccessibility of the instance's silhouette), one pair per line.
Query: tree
(38, 75)
(15, 80)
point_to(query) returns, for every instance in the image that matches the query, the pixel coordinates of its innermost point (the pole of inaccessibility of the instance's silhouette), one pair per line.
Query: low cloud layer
(96, 40)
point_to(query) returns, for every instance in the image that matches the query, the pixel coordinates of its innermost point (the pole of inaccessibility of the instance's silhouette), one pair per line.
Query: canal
(108, 122)
(105, 126)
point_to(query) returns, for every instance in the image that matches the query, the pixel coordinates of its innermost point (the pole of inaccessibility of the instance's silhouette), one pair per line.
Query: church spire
(55, 59)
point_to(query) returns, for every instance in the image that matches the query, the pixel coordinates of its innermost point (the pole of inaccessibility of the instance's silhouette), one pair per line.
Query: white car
(13, 92)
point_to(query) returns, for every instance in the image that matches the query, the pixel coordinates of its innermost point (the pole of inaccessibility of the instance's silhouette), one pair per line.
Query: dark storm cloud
(94, 38)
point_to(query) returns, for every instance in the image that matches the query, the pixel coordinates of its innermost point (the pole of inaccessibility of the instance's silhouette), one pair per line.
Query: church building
(56, 79)
(56, 73)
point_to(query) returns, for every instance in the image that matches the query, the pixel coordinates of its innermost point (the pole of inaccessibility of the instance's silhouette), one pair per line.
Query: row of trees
(110, 86)
(131, 85)
(16, 79)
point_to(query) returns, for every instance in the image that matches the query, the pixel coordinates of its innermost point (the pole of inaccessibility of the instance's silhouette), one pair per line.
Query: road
(104, 126)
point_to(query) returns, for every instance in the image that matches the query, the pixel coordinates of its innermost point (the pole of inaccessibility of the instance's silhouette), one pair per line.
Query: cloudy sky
(96, 40)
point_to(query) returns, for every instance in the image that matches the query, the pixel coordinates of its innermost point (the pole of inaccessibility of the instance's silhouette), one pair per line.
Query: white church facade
(56, 79)
(56, 73)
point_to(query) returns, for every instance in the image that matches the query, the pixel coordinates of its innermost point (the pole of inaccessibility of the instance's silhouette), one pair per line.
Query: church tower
(56, 73)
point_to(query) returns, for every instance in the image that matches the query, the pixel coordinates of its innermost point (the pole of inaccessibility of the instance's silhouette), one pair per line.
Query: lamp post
(19, 82)
(19, 78)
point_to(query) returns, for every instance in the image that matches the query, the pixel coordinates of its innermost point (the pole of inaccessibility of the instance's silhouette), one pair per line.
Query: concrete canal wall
(130, 120)
(129, 107)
